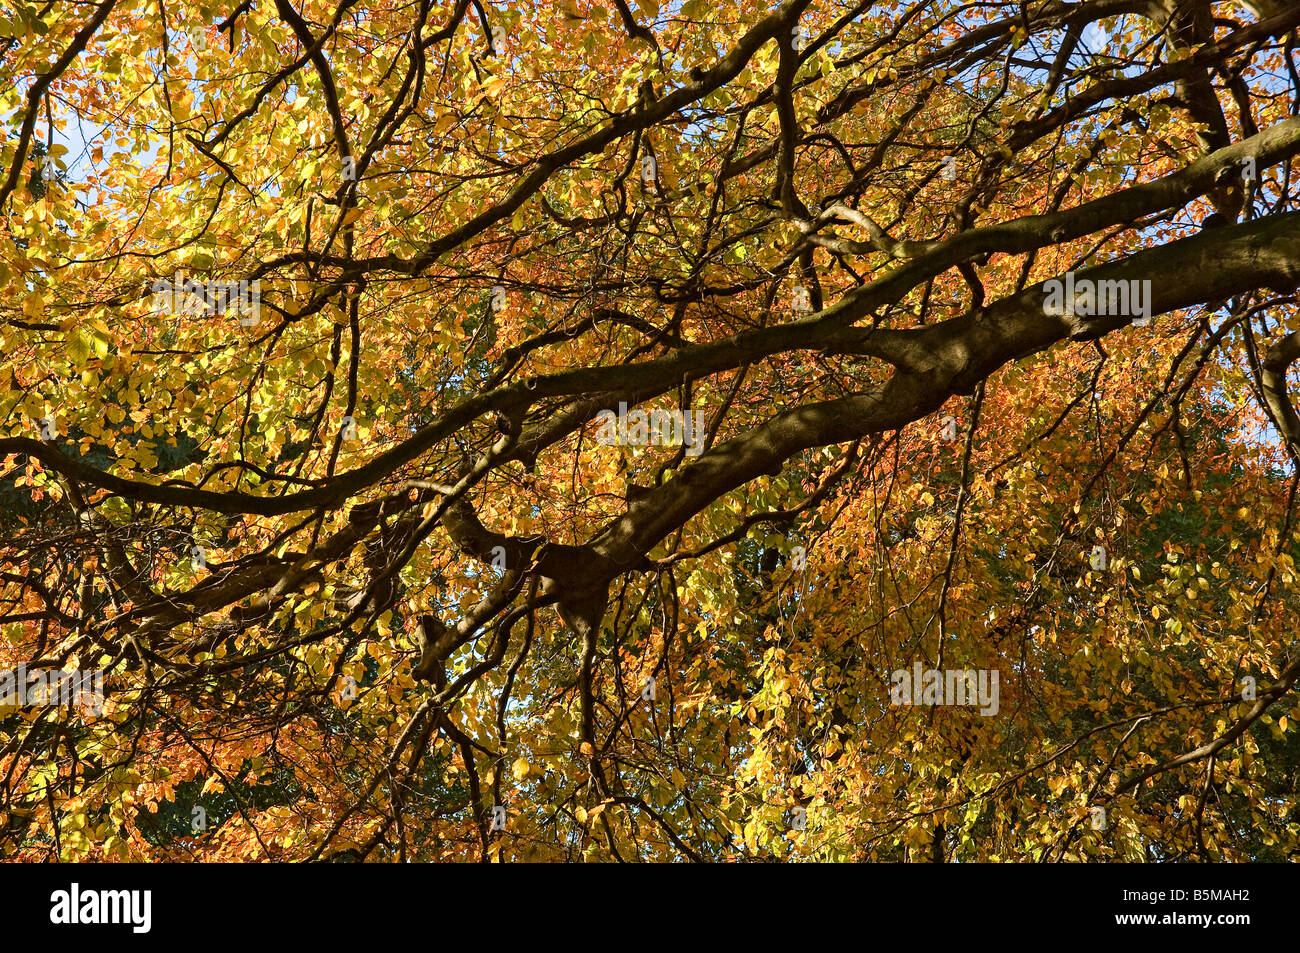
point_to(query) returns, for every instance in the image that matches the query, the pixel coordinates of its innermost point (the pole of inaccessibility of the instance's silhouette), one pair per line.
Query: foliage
(465, 600)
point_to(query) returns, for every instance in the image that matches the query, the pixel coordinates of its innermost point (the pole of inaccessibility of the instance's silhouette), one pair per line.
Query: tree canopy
(543, 431)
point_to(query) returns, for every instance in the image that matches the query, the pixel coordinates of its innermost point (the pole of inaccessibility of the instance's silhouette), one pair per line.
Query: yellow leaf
(520, 768)
(34, 305)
